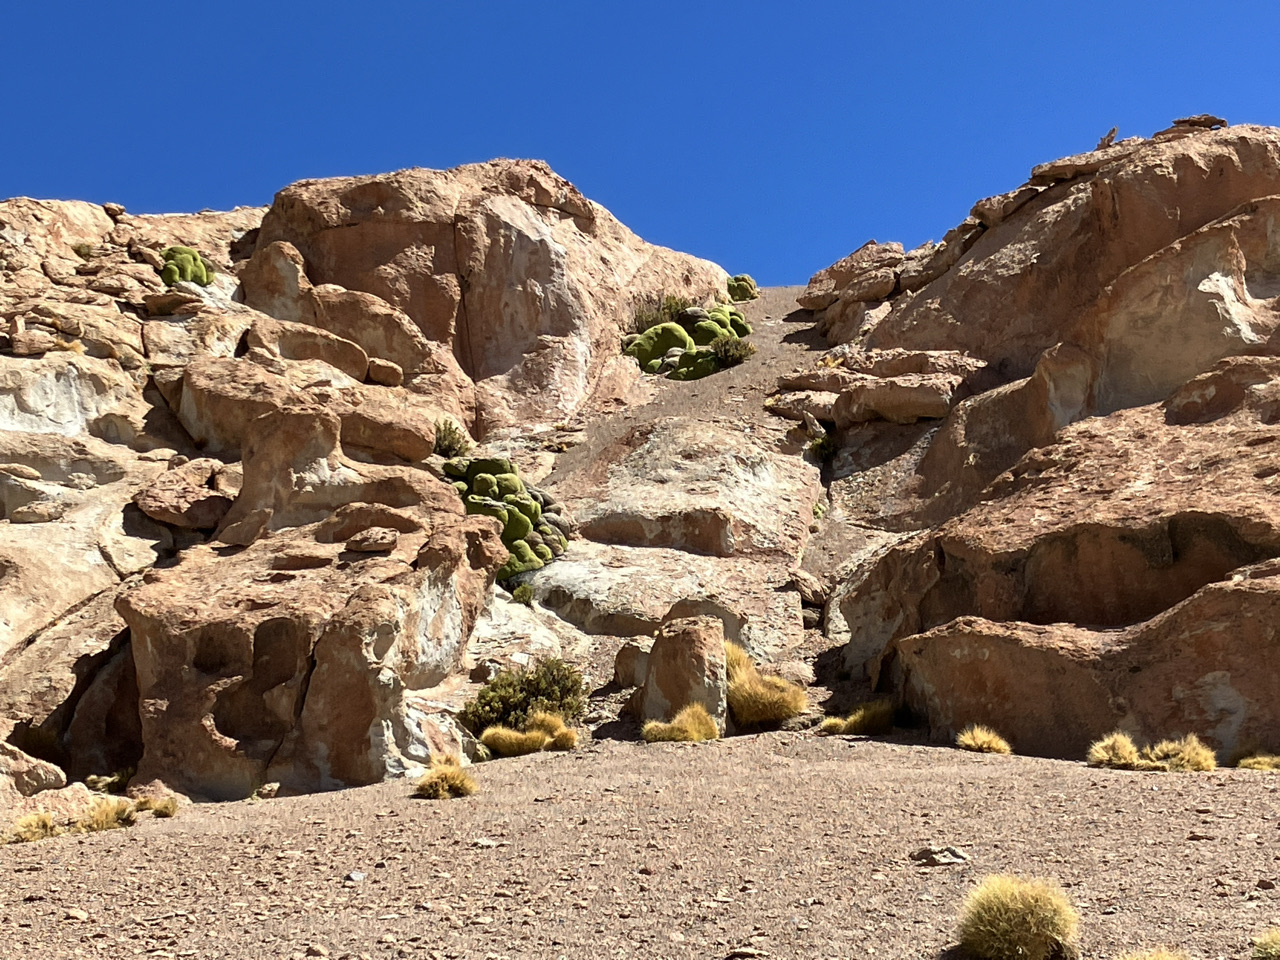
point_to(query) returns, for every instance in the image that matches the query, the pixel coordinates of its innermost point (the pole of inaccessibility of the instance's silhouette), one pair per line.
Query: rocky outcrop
(526, 281)
(322, 597)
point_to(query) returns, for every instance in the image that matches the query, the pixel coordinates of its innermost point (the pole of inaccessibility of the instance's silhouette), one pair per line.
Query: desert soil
(773, 845)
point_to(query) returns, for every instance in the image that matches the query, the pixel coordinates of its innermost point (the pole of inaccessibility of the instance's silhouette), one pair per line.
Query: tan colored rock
(300, 675)
(631, 663)
(686, 665)
(869, 273)
(298, 341)
(22, 775)
(295, 473)
(184, 497)
(632, 591)
(524, 280)
(374, 540)
(385, 372)
(1023, 285)
(903, 399)
(695, 487)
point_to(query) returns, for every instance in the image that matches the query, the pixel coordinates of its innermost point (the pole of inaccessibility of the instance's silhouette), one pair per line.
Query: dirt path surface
(778, 845)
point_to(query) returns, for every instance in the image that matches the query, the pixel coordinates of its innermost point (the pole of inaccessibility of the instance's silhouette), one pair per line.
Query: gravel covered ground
(777, 845)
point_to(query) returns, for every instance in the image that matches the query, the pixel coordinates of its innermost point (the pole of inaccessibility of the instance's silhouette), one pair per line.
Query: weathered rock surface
(685, 665)
(692, 487)
(526, 281)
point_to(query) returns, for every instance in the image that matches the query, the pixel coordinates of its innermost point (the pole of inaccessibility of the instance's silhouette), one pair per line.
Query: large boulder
(686, 665)
(526, 281)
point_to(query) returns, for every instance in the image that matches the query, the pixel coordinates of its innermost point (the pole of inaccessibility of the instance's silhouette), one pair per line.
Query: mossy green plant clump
(654, 343)
(551, 686)
(1010, 918)
(184, 263)
(742, 287)
(533, 529)
(675, 340)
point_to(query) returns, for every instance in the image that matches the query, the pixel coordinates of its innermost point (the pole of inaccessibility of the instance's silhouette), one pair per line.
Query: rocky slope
(1020, 477)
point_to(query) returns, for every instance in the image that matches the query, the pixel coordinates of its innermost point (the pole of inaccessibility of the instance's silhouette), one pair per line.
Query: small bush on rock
(742, 287)
(523, 594)
(1009, 918)
(552, 686)
(184, 263)
(445, 780)
(982, 739)
(451, 440)
(1266, 946)
(691, 724)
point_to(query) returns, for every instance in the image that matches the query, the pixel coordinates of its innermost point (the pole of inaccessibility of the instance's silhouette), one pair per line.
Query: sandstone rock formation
(1058, 537)
(227, 554)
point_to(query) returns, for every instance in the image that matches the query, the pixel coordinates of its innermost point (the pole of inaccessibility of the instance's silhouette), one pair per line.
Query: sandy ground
(775, 845)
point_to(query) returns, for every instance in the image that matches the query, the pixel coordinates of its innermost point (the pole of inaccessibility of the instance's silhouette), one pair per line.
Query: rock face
(227, 553)
(525, 280)
(1083, 539)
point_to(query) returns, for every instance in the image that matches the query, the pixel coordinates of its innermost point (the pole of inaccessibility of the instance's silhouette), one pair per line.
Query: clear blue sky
(771, 137)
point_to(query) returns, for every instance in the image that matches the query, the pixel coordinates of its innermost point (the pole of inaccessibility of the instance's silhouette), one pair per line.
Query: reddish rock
(686, 665)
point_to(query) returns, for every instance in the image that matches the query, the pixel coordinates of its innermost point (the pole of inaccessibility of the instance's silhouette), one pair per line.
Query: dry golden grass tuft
(691, 724)
(160, 807)
(737, 662)
(562, 738)
(756, 700)
(1266, 946)
(1185, 754)
(982, 739)
(32, 827)
(1259, 761)
(446, 780)
(505, 742)
(871, 718)
(1116, 750)
(1010, 918)
(106, 813)
(1159, 953)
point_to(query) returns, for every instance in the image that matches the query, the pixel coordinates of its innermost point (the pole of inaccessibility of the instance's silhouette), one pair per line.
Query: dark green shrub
(731, 351)
(451, 440)
(523, 594)
(552, 686)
